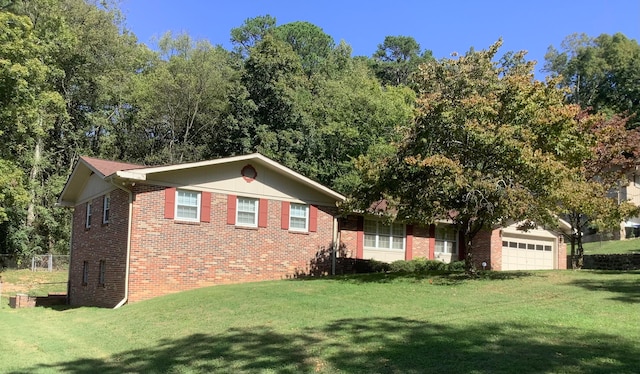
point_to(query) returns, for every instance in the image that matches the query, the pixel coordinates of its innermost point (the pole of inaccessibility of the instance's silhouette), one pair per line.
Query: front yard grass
(508, 322)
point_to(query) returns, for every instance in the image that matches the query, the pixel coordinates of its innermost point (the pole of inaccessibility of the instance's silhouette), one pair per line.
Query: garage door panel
(527, 254)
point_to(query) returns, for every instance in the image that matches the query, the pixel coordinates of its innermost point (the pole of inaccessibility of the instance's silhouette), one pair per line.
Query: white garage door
(527, 254)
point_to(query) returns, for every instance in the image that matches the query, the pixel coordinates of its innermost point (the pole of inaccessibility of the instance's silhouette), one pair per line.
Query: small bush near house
(403, 266)
(378, 266)
(456, 266)
(361, 266)
(422, 265)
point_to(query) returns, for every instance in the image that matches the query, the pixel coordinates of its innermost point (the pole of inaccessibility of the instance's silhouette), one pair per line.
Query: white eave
(131, 175)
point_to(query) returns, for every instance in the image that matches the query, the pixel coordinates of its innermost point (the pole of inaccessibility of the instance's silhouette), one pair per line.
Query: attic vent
(249, 173)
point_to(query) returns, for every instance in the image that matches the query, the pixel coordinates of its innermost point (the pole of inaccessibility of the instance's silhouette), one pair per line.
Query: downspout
(335, 246)
(126, 274)
(70, 255)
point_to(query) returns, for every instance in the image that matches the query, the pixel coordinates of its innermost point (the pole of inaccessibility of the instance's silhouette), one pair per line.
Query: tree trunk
(573, 251)
(33, 178)
(579, 257)
(469, 263)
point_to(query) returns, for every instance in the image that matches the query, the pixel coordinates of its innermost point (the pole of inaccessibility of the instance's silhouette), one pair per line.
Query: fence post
(33, 263)
(50, 262)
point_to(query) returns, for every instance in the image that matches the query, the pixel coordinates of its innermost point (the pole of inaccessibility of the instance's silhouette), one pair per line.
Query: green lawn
(510, 322)
(610, 247)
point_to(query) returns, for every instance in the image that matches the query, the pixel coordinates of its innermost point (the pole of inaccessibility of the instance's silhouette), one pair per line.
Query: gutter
(126, 274)
(335, 245)
(70, 264)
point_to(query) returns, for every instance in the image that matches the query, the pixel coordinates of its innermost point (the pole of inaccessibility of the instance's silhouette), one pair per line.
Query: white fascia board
(132, 175)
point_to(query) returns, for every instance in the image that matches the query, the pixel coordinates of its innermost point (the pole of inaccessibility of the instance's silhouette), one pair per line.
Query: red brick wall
(348, 236)
(106, 242)
(562, 253)
(421, 241)
(487, 247)
(169, 256)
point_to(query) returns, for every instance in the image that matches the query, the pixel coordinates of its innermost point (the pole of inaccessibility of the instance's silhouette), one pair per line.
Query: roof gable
(200, 175)
(151, 173)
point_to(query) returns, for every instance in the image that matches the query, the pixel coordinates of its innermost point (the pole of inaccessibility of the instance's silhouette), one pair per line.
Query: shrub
(423, 265)
(418, 265)
(456, 266)
(403, 266)
(378, 266)
(361, 266)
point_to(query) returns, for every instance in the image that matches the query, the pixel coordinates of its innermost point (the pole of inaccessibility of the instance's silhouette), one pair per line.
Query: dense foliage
(74, 81)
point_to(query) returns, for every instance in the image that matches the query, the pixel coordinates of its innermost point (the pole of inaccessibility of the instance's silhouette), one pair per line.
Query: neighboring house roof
(112, 171)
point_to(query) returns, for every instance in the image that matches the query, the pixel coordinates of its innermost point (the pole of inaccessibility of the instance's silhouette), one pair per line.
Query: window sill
(299, 232)
(384, 249)
(183, 222)
(246, 228)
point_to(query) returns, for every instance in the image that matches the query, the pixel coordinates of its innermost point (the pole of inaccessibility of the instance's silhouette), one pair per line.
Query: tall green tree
(247, 35)
(311, 44)
(355, 116)
(397, 58)
(602, 72)
(485, 149)
(84, 60)
(277, 85)
(180, 102)
(29, 108)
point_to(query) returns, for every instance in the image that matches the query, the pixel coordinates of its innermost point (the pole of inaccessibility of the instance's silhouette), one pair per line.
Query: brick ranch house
(140, 232)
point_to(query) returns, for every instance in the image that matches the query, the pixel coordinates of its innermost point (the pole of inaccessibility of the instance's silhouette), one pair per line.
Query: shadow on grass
(625, 290)
(375, 345)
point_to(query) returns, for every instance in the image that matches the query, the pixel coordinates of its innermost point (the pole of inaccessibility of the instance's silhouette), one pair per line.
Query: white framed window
(381, 235)
(247, 212)
(87, 222)
(298, 217)
(187, 205)
(446, 240)
(106, 207)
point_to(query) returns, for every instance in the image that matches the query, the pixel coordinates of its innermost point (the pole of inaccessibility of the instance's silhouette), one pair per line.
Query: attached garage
(532, 250)
(527, 254)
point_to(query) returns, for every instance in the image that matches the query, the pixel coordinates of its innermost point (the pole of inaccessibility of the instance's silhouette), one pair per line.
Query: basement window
(103, 268)
(85, 273)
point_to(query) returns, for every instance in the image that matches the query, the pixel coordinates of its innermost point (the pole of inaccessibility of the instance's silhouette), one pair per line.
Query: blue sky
(441, 26)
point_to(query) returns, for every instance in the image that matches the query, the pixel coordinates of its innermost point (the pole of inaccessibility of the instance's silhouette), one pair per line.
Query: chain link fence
(47, 262)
